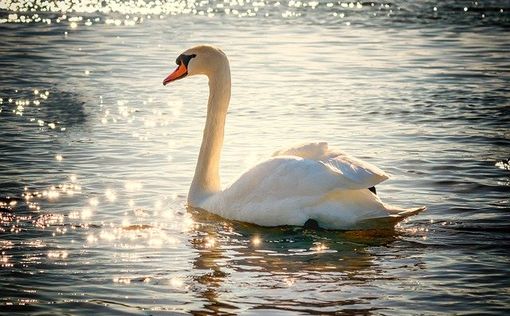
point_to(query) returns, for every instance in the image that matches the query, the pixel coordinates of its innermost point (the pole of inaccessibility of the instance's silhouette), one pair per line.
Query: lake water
(96, 156)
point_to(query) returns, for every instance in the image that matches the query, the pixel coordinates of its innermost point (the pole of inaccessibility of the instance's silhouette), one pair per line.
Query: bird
(306, 185)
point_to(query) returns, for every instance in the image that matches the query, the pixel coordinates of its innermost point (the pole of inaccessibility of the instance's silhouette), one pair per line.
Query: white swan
(296, 185)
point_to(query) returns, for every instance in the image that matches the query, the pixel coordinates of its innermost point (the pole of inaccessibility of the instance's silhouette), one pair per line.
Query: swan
(301, 185)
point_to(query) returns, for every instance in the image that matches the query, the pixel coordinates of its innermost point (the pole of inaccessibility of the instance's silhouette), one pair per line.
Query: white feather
(289, 190)
(300, 183)
(362, 173)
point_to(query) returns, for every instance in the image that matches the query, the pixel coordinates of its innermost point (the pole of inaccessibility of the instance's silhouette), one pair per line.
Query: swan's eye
(184, 59)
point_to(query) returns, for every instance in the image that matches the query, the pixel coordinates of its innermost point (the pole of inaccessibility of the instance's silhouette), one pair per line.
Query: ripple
(96, 157)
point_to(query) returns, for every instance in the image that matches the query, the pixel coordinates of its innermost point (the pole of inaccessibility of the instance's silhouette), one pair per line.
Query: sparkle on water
(96, 156)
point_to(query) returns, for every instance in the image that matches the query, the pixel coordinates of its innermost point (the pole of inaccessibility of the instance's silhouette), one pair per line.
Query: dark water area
(96, 156)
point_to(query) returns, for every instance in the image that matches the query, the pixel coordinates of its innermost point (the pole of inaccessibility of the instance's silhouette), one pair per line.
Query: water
(96, 156)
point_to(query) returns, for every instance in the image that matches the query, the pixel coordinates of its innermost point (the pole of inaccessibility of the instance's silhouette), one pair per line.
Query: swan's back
(289, 190)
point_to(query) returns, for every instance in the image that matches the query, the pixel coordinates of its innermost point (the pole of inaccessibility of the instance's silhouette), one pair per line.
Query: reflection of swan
(308, 182)
(239, 266)
(286, 248)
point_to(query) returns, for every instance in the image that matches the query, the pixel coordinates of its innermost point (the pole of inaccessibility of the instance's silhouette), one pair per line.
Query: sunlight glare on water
(96, 156)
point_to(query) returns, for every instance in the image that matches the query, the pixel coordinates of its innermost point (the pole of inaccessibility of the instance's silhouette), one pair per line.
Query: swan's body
(297, 184)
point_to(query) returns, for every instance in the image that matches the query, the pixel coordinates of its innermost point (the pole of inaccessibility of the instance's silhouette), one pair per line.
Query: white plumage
(297, 184)
(307, 182)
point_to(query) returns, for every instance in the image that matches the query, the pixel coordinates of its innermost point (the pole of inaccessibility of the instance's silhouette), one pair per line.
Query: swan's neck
(207, 172)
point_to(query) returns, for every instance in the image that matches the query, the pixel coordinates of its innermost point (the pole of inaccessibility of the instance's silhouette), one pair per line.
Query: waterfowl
(307, 184)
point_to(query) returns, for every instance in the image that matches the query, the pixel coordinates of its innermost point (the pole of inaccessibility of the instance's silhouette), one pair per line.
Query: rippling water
(96, 155)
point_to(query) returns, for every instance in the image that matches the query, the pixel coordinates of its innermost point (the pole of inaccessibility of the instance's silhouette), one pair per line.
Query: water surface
(96, 156)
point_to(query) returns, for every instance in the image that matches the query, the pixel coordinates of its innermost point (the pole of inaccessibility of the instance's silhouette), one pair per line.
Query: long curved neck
(207, 172)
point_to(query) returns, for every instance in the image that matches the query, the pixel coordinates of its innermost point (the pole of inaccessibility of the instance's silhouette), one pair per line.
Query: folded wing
(361, 174)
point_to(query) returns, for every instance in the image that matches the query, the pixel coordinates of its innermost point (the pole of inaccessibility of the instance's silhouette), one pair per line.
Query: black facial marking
(184, 59)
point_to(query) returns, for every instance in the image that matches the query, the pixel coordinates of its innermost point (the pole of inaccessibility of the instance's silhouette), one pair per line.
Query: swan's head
(199, 60)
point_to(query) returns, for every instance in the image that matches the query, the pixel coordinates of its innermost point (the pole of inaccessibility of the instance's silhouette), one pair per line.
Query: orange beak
(177, 74)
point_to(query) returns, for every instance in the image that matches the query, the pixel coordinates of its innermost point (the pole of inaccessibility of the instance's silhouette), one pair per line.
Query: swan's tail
(404, 213)
(396, 215)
